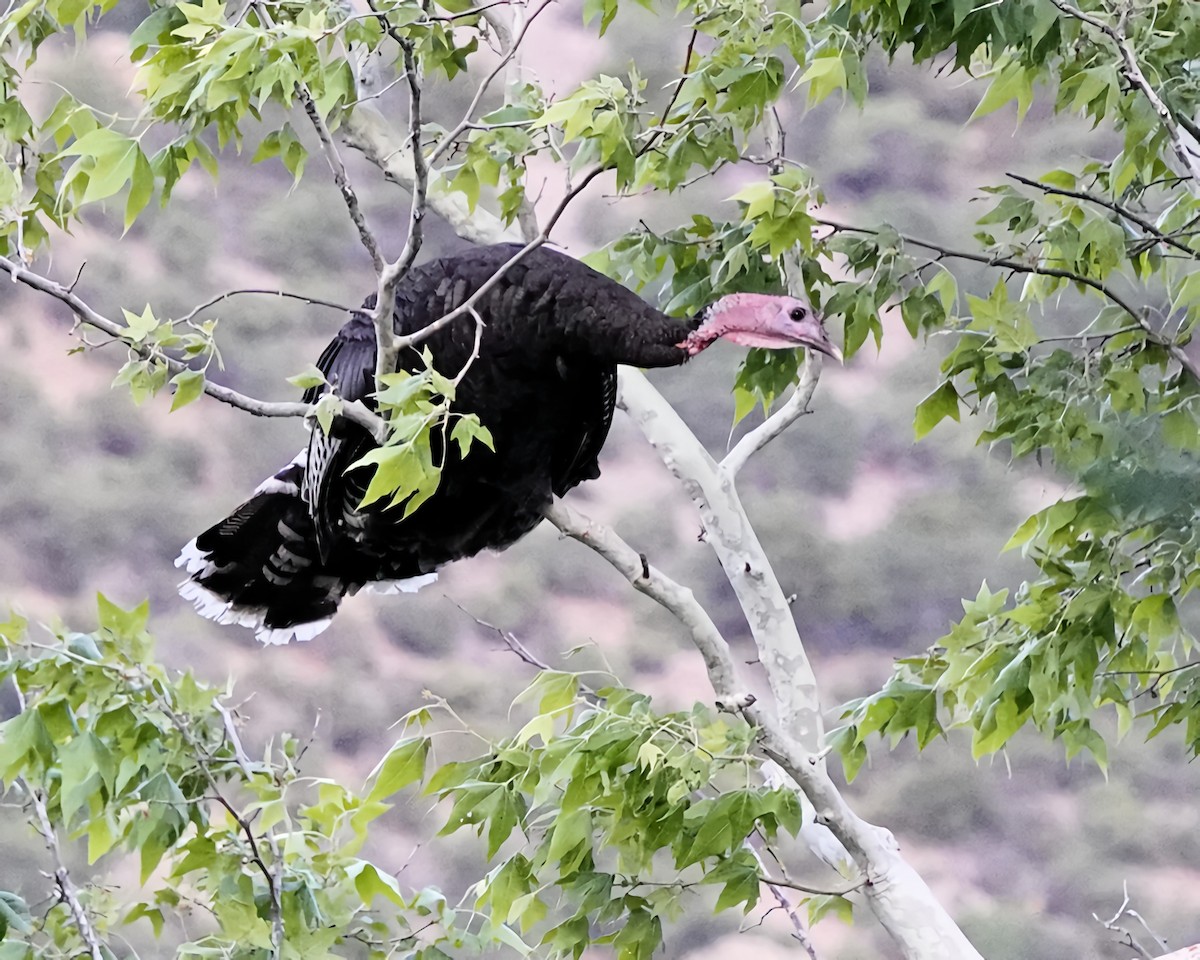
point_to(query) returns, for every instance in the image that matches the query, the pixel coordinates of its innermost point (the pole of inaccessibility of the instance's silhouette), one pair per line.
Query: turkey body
(544, 384)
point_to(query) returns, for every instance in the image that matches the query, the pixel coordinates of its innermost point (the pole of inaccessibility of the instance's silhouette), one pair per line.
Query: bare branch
(388, 345)
(1129, 939)
(894, 890)
(1133, 72)
(66, 886)
(510, 640)
(239, 752)
(679, 600)
(796, 407)
(661, 127)
(365, 129)
(286, 294)
(333, 158)
(812, 889)
(799, 931)
(745, 563)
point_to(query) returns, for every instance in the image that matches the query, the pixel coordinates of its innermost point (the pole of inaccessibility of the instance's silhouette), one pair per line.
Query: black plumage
(544, 384)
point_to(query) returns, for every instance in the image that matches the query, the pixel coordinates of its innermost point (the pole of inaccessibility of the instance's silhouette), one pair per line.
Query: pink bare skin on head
(762, 320)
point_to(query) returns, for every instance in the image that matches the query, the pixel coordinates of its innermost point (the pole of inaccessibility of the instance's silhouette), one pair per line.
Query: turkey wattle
(544, 384)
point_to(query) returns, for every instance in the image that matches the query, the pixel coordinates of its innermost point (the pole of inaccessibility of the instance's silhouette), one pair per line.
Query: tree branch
(387, 342)
(1120, 211)
(812, 889)
(333, 158)
(896, 893)
(365, 129)
(679, 600)
(66, 886)
(286, 294)
(1177, 353)
(796, 407)
(1133, 72)
(1130, 940)
(731, 536)
(355, 412)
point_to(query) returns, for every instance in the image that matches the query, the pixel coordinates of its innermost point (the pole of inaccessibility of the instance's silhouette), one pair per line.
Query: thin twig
(286, 294)
(1130, 940)
(334, 159)
(1123, 212)
(799, 931)
(387, 343)
(239, 752)
(814, 890)
(660, 128)
(510, 639)
(354, 412)
(1017, 266)
(448, 140)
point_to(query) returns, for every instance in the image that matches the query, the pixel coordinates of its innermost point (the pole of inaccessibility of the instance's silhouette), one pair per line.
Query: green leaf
(824, 75)
(403, 765)
(468, 429)
(1011, 82)
(14, 915)
(940, 404)
(189, 385)
(370, 882)
(123, 624)
(25, 745)
(141, 188)
(307, 378)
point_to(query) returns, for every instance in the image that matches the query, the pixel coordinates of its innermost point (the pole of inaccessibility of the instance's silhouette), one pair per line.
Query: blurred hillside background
(877, 537)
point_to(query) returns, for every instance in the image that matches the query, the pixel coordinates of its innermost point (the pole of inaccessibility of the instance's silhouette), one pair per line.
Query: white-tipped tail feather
(390, 588)
(212, 607)
(195, 560)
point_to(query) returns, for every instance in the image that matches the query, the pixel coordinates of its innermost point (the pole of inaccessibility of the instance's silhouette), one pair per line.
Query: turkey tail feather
(259, 566)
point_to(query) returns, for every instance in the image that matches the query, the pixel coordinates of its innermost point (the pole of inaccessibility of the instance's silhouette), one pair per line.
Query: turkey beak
(814, 337)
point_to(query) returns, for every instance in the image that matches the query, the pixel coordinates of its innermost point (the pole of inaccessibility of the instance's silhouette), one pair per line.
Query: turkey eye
(798, 314)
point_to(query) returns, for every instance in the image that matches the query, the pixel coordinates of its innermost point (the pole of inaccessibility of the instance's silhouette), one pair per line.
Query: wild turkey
(544, 384)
